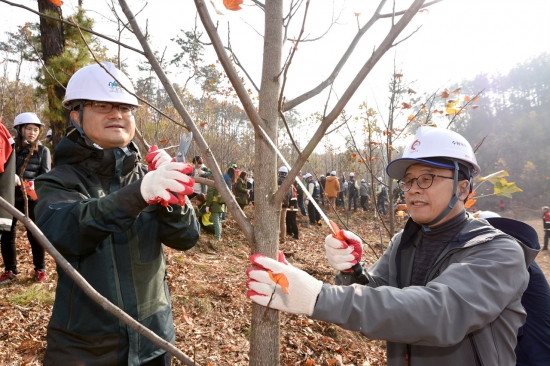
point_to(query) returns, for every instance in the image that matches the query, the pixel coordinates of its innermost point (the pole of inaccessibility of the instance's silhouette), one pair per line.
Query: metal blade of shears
(185, 143)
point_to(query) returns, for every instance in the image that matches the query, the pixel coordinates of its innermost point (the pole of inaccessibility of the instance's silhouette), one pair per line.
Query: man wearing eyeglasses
(110, 216)
(447, 291)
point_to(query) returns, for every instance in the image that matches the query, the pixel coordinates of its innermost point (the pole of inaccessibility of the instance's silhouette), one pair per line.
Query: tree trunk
(52, 38)
(264, 339)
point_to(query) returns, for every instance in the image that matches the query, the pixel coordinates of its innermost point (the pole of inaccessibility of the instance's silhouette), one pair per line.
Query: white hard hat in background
(283, 170)
(352, 174)
(49, 133)
(431, 143)
(94, 83)
(26, 118)
(333, 172)
(307, 176)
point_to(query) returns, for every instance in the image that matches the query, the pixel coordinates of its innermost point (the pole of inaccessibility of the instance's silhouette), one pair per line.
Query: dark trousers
(314, 215)
(291, 224)
(382, 205)
(364, 202)
(9, 251)
(353, 198)
(340, 199)
(546, 237)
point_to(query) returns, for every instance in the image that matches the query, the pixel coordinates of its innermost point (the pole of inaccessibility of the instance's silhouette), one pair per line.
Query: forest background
(511, 113)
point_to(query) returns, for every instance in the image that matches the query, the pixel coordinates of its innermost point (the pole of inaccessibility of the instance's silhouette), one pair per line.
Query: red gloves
(164, 177)
(342, 255)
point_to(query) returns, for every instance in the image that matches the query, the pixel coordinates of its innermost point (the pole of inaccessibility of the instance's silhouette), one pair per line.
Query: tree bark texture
(264, 338)
(52, 39)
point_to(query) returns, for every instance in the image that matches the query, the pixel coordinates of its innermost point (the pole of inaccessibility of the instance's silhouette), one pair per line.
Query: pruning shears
(183, 147)
(334, 229)
(185, 143)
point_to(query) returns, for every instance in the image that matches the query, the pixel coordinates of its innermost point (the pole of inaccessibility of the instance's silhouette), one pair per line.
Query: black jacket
(91, 209)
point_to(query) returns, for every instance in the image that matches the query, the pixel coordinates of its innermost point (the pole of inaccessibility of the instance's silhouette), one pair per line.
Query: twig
(41, 60)
(73, 25)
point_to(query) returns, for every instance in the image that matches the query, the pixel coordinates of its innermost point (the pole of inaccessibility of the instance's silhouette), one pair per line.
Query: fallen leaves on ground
(210, 309)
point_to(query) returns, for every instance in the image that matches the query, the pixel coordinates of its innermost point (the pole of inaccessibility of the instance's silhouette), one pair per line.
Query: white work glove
(156, 158)
(281, 286)
(207, 209)
(17, 180)
(343, 254)
(157, 185)
(306, 202)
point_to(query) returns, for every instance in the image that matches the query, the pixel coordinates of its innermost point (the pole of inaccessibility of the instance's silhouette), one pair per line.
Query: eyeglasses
(105, 107)
(423, 181)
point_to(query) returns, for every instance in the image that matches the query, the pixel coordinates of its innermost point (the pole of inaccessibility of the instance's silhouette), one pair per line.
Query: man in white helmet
(109, 215)
(448, 289)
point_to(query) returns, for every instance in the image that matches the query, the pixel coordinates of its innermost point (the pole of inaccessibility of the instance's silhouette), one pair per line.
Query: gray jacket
(468, 313)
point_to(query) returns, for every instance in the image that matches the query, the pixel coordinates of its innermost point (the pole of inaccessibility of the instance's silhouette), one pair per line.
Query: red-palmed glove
(281, 286)
(157, 186)
(342, 255)
(156, 157)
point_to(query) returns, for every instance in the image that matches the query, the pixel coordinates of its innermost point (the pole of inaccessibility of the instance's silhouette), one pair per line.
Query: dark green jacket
(92, 211)
(241, 192)
(214, 200)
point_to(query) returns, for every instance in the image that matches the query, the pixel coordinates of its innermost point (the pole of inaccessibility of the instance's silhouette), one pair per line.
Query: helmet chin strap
(124, 149)
(450, 206)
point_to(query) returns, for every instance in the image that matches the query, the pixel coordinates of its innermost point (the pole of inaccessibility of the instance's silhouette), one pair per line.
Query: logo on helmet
(415, 145)
(459, 143)
(115, 87)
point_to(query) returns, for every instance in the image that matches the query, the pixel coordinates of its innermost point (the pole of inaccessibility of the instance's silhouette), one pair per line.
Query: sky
(452, 41)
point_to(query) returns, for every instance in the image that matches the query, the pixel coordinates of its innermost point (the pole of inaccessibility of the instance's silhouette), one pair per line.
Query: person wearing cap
(215, 205)
(110, 216)
(382, 197)
(199, 170)
(546, 225)
(364, 194)
(447, 290)
(48, 142)
(352, 192)
(332, 187)
(314, 191)
(27, 170)
(533, 348)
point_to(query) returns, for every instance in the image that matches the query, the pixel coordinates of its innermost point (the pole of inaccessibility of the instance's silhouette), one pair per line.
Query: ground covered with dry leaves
(211, 311)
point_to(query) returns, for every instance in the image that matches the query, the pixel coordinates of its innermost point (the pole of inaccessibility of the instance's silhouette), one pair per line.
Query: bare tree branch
(319, 88)
(398, 13)
(41, 61)
(239, 215)
(72, 25)
(89, 290)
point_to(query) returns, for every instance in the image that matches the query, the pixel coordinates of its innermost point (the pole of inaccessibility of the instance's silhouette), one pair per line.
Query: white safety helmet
(307, 175)
(283, 170)
(27, 118)
(333, 172)
(94, 83)
(352, 174)
(437, 147)
(49, 133)
(441, 148)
